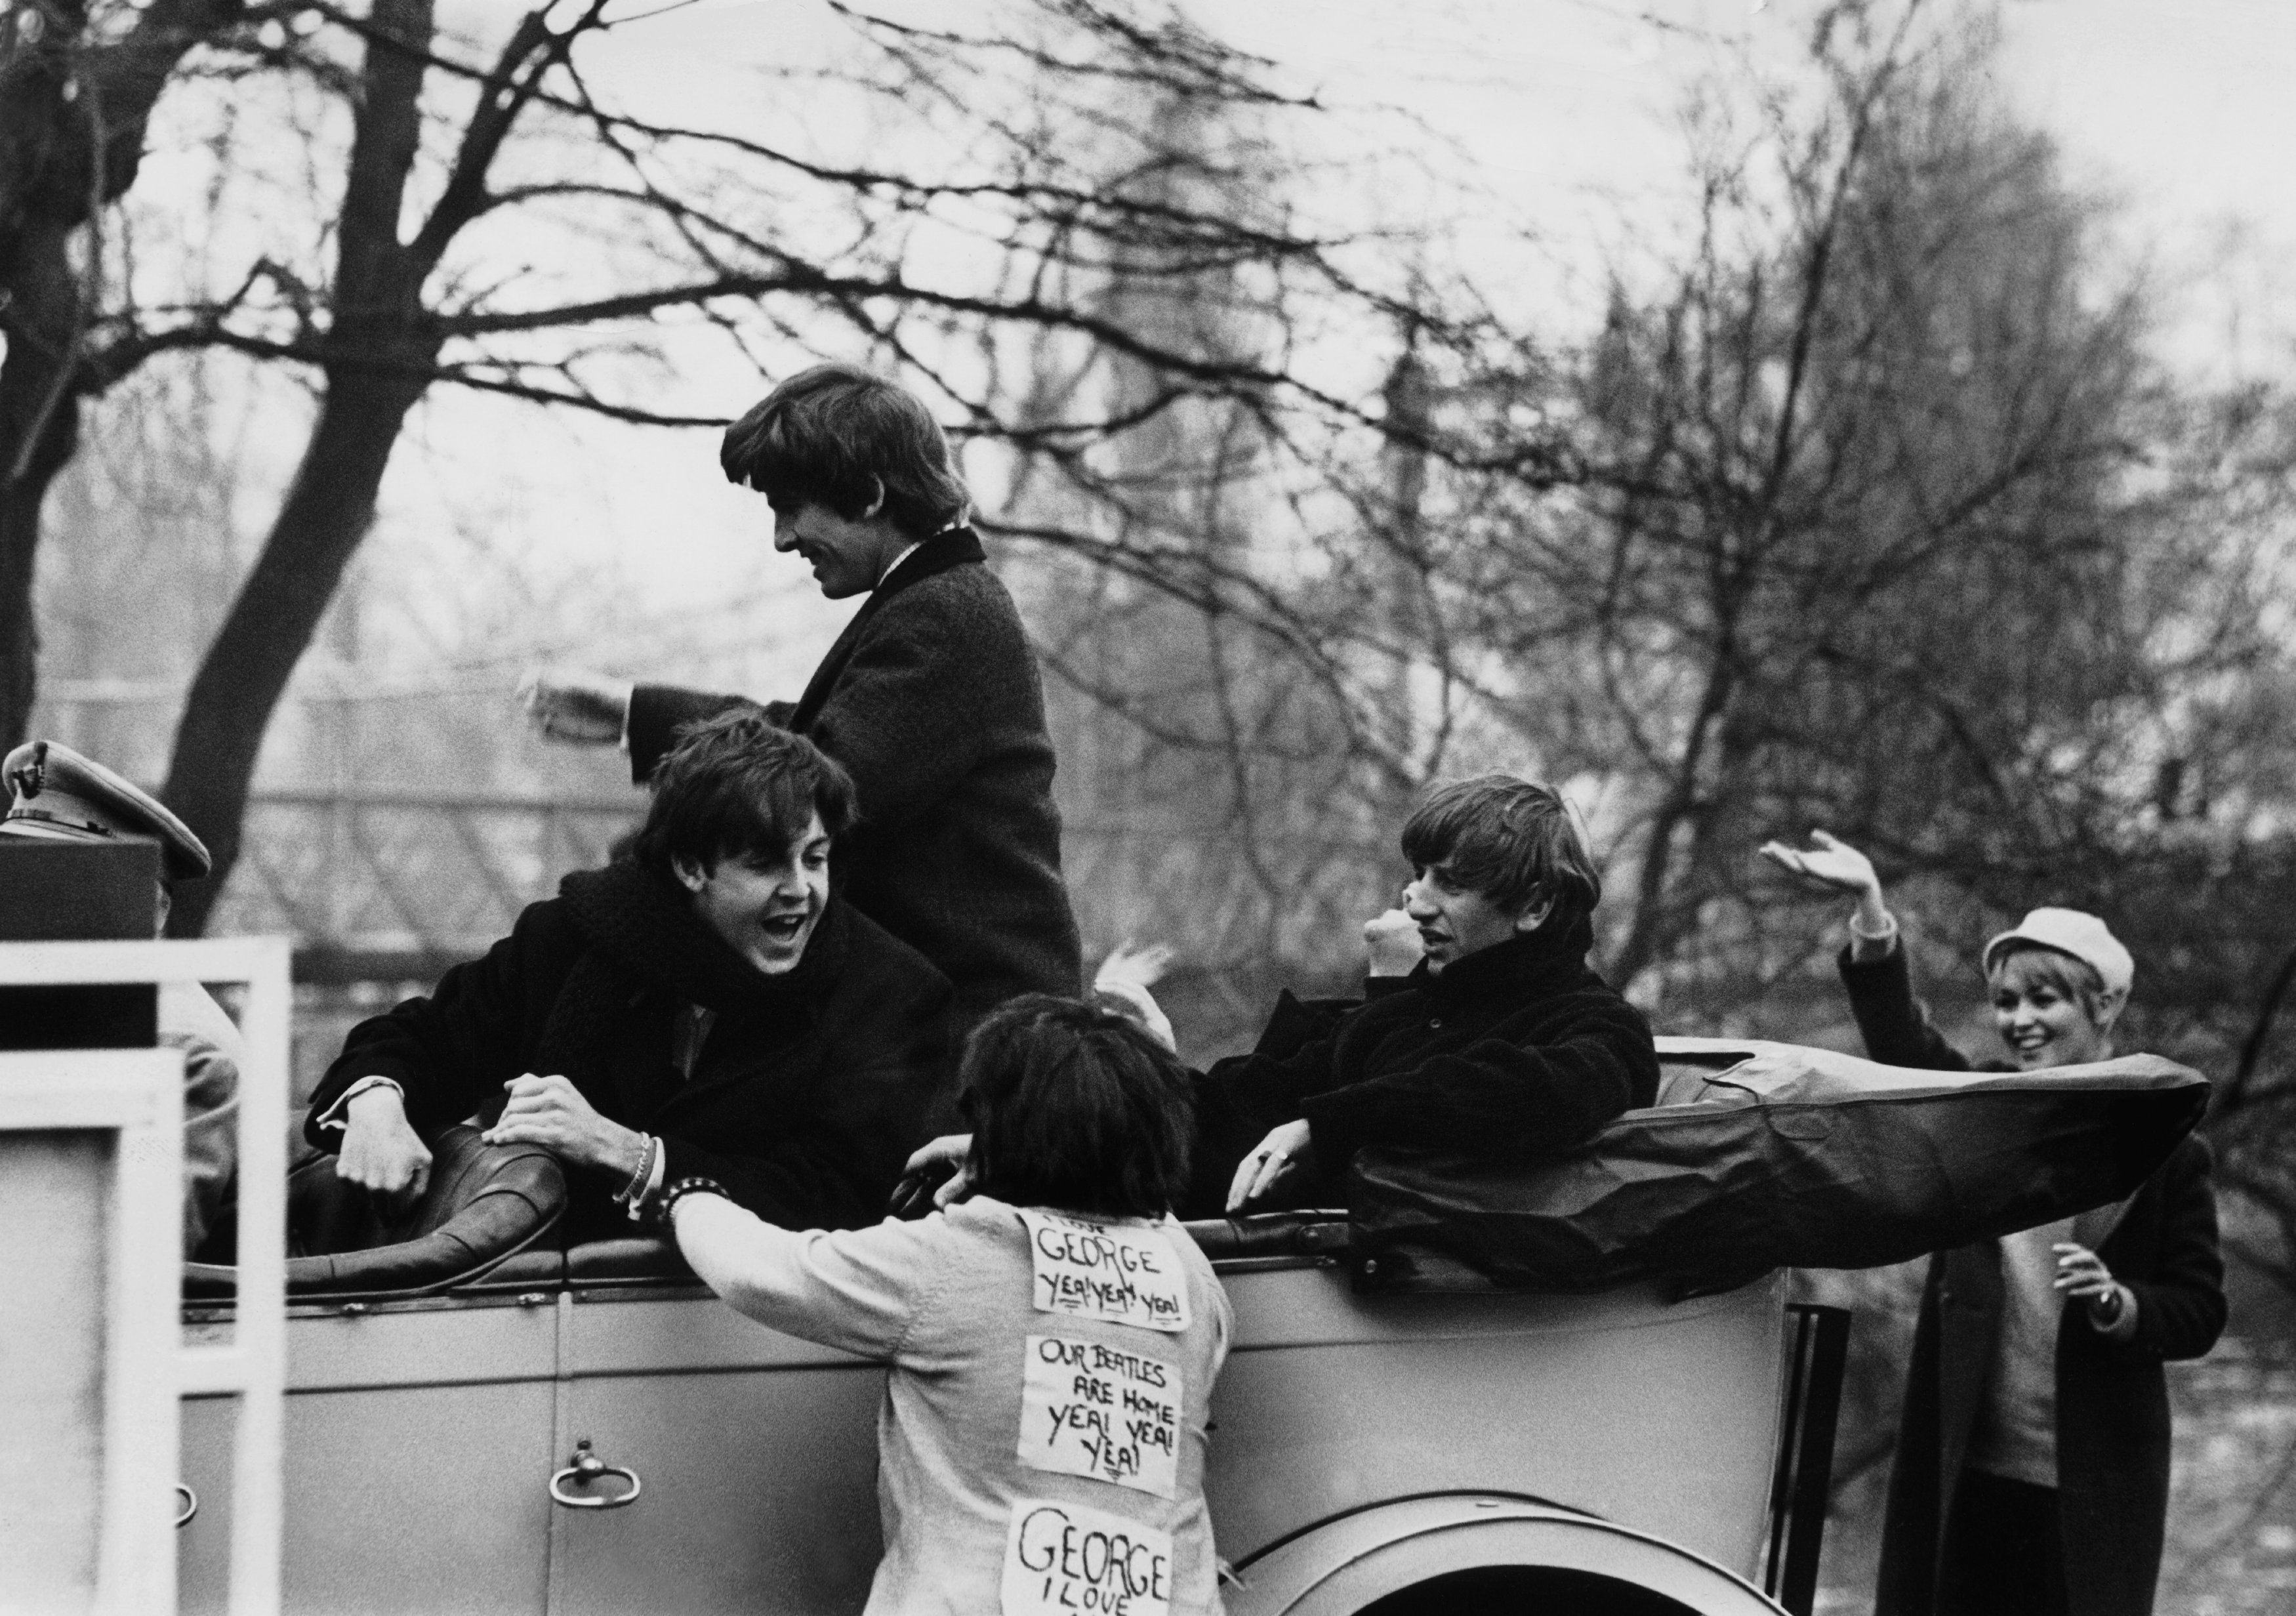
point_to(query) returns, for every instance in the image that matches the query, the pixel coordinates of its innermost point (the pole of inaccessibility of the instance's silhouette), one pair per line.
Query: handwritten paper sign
(1089, 1410)
(1065, 1560)
(1123, 1274)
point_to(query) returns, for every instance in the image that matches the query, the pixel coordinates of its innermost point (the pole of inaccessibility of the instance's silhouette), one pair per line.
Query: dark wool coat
(807, 1096)
(1517, 1052)
(930, 700)
(2113, 1398)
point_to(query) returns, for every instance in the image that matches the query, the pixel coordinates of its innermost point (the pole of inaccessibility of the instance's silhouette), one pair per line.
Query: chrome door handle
(191, 1505)
(588, 1467)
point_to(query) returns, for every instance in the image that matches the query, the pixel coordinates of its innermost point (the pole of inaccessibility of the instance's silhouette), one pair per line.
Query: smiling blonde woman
(2032, 1467)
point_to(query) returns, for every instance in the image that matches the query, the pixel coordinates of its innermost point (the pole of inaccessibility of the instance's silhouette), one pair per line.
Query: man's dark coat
(807, 1096)
(932, 701)
(1517, 1052)
(2113, 1398)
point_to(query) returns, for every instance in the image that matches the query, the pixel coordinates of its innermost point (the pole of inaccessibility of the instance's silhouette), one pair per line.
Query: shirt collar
(894, 565)
(896, 561)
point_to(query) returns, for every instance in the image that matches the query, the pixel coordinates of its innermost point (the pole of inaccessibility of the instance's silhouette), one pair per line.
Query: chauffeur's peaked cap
(61, 796)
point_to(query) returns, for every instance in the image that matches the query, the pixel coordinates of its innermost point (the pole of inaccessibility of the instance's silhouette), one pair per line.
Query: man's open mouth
(782, 928)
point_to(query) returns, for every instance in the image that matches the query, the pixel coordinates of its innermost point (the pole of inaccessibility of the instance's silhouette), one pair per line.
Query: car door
(754, 1459)
(418, 1442)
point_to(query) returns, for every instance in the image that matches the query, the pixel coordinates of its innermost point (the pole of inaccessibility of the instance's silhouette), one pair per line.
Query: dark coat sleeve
(1261, 1090)
(452, 1051)
(1896, 1025)
(835, 1167)
(1498, 1099)
(1241, 1098)
(2180, 1304)
(659, 711)
(922, 699)
(934, 682)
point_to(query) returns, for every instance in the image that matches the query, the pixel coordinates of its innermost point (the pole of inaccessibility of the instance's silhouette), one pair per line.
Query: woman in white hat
(2032, 1465)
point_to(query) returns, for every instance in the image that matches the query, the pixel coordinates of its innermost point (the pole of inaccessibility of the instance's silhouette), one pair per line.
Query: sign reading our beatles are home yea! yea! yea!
(1091, 1409)
(1125, 1273)
(1066, 1560)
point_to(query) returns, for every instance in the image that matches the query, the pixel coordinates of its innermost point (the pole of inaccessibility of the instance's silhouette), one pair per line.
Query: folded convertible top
(1770, 1155)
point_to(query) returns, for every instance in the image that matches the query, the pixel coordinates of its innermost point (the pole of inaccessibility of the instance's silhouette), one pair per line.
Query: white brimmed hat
(2083, 935)
(61, 796)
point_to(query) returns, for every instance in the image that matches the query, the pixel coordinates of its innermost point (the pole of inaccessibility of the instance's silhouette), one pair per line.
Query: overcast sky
(2183, 109)
(1563, 109)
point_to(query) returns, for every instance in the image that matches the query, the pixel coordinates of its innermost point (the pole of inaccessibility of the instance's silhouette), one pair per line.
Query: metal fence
(380, 886)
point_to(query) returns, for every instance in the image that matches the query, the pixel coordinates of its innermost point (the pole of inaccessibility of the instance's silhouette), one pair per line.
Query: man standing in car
(929, 698)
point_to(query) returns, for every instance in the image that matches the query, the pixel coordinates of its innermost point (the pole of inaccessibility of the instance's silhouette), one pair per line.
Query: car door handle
(587, 1468)
(191, 1505)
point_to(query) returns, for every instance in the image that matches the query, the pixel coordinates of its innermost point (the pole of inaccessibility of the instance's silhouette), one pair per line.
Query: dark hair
(1506, 840)
(1074, 1107)
(735, 786)
(838, 435)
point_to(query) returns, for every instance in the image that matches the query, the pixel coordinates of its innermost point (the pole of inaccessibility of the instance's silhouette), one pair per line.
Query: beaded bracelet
(633, 1193)
(685, 1187)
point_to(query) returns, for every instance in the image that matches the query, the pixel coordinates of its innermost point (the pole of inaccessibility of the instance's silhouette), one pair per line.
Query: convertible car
(1581, 1388)
(479, 1421)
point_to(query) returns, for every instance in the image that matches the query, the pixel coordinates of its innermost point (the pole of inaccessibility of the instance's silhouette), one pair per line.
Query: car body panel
(413, 1500)
(1664, 1417)
(1350, 1563)
(423, 1435)
(761, 1493)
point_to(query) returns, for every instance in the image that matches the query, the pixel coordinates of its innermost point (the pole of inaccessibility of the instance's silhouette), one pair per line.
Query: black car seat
(485, 1203)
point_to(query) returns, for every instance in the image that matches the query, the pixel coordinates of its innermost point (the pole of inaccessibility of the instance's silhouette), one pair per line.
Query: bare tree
(975, 224)
(1887, 523)
(78, 85)
(1232, 764)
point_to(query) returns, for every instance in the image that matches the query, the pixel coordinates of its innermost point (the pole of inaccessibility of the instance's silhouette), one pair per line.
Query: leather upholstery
(640, 1257)
(1270, 1235)
(484, 1204)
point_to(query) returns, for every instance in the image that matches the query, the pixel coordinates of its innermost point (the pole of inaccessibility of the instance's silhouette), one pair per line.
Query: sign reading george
(1089, 1410)
(1065, 1560)
(1116, 1272)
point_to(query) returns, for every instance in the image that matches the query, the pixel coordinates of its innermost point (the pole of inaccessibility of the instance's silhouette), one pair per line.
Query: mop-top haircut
(841, 436)
(1507, 839)
(737, 787)
(1075, 1108)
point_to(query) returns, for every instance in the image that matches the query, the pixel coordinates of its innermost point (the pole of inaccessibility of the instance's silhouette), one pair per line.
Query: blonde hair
(2073, 978)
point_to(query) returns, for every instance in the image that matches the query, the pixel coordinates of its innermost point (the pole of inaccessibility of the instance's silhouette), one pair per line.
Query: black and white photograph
(1148, 808)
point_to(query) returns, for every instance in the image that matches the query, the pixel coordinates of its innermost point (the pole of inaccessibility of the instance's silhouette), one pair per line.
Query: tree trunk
(74, 107)
(381, 350)
(39, 426)
(1657, 914)
(327, 512)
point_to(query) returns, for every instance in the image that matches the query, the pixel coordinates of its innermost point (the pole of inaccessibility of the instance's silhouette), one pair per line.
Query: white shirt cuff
(337, 1116)
(1867, 946)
